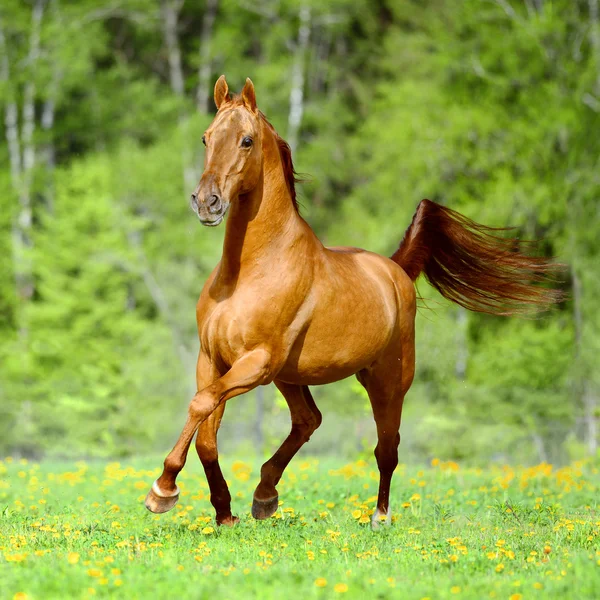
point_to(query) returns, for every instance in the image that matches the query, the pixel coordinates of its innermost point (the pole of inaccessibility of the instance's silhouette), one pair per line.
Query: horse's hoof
(380, 518)
(263, 509)
(158, 501)
(229, 521)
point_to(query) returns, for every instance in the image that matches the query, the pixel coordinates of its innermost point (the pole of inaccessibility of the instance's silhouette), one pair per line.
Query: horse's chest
(231, 330)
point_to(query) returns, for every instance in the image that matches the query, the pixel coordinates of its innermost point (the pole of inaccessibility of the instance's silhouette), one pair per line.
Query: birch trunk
(208, 22)
(595, 38)
(170, 16)
(22, 159)
(259, 420)
(47, 151)
(298, 69)
(462, 351)
(584, 390)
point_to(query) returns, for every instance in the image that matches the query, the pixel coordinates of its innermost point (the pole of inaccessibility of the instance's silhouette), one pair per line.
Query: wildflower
(340, 588)
(208, 530)
(356, 514)
(73, 558)
(516, 597)
(455, 589)
(499, 568)
(320, 582)
(94, 572)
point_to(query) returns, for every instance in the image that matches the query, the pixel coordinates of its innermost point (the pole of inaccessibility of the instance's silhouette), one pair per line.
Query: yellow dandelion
(538, 586)
(455, 589)
(516, 597)
(547, 549)
(73, 558)
(499, 568)
(20, 596)
(320, 582)
(340, 588)
(357, 514)
(94, 572)
(208, 530)
(118, 582)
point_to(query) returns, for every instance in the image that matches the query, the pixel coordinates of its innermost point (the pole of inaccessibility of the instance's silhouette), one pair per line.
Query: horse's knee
(201, 407)
(173, 464)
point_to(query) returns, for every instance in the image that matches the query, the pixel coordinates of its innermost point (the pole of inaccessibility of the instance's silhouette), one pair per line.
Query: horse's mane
(285, 152)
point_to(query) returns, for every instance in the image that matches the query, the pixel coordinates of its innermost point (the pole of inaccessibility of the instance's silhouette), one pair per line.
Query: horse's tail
(471, 265)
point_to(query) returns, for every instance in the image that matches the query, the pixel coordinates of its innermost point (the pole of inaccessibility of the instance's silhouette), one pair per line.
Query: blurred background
(491, 107)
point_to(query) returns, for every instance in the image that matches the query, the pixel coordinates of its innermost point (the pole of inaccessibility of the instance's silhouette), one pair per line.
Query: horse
(281, 307)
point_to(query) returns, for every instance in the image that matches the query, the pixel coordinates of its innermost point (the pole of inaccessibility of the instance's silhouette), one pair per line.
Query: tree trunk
(22, 165)
(208, 21)
(170, 17)
(462, 350)
(259, 436)
(47, 150)
(297, 91)
(595, 39)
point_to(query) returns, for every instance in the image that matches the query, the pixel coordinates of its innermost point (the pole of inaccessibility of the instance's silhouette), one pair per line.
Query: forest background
(491, 107)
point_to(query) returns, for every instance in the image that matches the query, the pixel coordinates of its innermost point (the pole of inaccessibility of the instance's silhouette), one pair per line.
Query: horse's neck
(263, 227)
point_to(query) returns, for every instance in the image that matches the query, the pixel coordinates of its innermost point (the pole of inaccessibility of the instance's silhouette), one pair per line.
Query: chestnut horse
(280, 307)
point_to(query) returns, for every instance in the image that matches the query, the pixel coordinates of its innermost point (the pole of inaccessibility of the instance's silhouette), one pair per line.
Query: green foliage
(488, 107)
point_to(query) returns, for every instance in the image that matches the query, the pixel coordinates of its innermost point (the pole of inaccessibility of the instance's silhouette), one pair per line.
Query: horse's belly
(327, 354)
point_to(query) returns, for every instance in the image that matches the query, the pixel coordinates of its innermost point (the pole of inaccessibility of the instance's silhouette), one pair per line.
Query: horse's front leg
(245, 374)
(305, 419)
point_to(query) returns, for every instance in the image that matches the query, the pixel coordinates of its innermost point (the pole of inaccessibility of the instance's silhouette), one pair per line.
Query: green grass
(81, 530)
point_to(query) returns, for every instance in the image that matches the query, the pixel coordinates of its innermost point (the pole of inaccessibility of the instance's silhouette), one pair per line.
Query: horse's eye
(247, 142)
(204, 140)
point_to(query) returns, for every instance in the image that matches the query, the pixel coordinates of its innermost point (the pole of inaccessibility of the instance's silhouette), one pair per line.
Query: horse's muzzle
(211, 211)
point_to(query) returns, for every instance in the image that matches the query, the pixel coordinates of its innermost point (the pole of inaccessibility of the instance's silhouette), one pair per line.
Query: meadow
(80, 530)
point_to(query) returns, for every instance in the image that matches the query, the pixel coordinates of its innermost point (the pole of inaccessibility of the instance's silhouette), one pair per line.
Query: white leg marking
(379, 517)
(162, 494)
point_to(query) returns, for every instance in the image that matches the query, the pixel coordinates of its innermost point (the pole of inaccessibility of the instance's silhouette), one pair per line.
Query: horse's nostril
(194, 198)
(212, 201)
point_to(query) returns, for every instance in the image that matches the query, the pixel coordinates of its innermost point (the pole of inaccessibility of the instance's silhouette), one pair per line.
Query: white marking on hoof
(379, 518)
(162, 494)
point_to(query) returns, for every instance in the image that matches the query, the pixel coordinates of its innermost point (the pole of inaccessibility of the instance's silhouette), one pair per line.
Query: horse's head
(233, 160)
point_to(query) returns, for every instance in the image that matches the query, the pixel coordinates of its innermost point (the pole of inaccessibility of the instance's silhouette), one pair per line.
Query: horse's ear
(221, 92)
(248, 95)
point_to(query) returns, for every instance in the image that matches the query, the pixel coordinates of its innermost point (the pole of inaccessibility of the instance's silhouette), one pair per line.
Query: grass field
(81, 530)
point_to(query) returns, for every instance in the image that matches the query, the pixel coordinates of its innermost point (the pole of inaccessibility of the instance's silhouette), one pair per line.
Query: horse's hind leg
(386, 384)
(305, 419)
